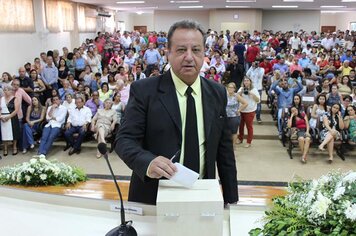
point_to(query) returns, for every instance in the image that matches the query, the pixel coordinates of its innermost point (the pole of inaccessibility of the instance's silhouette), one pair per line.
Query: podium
(195, 211)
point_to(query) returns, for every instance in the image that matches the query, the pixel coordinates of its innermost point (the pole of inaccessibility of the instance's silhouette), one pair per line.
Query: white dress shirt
(80, 117)
(57, 118)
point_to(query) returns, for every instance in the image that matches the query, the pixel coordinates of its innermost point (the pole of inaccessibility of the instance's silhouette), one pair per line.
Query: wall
(291, 20)
(164, 19)
(339, 19)
(125, 17)
(145, 19)
(247, 19)
(19, 48)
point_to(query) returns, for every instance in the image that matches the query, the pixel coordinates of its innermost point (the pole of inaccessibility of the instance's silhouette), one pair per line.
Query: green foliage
(314, 208)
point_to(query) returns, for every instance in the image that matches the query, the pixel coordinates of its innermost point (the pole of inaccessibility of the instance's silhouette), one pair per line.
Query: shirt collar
(181, 87)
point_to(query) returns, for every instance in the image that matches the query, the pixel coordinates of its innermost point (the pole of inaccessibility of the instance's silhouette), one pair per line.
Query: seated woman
(318, 111)
(212, 72)
(34, 116)
(48, 102)
(332, 125)
(297, 102)
(300, 121)
(345, 87)
(350, 123)
(103, 123)
(104, 92)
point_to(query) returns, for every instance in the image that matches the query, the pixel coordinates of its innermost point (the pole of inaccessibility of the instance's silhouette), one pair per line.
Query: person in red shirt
(252, 53)
(274, 42)
(152, 38)
(267, 66)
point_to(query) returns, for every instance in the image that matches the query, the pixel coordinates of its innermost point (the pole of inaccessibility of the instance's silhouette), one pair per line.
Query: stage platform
(90, 209)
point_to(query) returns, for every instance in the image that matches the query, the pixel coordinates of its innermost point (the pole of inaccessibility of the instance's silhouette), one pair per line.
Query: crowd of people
(83, 93)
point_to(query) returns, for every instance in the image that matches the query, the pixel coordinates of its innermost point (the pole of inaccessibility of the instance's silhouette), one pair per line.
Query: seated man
(55, 117)
(94, 103)
(78, 121)
(65, 90)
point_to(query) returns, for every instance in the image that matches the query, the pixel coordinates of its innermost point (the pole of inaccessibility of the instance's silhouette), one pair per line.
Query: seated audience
(34, 116)
(332, 126)
(103, 123)
(94, 103)
(78, 121)
(350, 123)
(55, 117)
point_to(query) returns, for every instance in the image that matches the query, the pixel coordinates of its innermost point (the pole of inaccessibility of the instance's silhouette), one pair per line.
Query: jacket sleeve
(131, 134)
(225, 161)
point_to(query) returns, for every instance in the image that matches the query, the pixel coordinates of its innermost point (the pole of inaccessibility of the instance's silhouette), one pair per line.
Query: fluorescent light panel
(285, 6)
(332, 6)
(184, 7)
(298, 0)
(240, 1)
(130, 2)
(348, 0)
(184, 1)
(237, 6)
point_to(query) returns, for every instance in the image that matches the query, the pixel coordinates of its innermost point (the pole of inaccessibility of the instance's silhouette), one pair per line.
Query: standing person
(256, 73)
(252, 54)
(167, 112)
(251, 95)
(236, 70)
(49, 76)
(10, 129)
(152, 58)
(235, 103)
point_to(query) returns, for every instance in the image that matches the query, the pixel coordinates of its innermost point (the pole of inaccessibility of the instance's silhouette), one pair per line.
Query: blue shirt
(285, 96)
(345, 57)
(80, 63)
(152, 56)
(283, 68)
(49, 75)
(304, 62)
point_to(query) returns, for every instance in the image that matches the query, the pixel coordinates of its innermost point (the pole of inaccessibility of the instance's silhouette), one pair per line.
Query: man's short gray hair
(184, 24)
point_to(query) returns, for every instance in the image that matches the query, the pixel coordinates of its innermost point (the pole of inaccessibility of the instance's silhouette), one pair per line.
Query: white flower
(350, 177)
(43, 176)
(350, 212)
(321, 205)
(27, 178)
(33, 161)
(338, 193)
(31, 170)
(44, 160)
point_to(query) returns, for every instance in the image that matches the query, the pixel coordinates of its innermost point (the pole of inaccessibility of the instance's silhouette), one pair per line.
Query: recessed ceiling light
(298, 0)
(184, 1)
(237, 6)
(190, 6)
(332, 6)
(130, 2)
(285, 6)
(240, 0)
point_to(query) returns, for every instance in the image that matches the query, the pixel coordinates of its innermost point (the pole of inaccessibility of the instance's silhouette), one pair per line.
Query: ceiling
(348, 5)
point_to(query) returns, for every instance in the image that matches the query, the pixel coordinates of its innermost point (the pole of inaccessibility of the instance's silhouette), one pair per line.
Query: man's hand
(161, 167)
(85, 128)
(68, 126)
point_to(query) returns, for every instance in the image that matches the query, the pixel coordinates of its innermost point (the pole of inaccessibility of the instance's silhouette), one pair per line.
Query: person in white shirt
(295, 41)
(210, 39)
(78, 121)
(256, 73)
(55, 117)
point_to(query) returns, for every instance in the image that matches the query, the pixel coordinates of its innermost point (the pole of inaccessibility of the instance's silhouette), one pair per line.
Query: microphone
(125, 228)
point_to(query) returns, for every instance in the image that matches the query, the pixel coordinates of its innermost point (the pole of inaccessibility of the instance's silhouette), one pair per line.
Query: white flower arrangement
(326, 206)
(39, 172)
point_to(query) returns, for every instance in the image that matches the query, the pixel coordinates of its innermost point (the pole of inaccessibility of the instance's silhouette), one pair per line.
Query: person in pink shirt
(295, 66)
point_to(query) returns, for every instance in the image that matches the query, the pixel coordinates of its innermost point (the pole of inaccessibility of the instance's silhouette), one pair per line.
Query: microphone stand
(125, 228)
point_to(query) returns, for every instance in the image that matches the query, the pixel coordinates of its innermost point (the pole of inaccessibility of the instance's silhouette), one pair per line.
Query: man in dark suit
(177, 111)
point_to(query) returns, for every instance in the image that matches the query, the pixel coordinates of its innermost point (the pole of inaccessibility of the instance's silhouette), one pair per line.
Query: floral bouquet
(326, 206)
(40, 172)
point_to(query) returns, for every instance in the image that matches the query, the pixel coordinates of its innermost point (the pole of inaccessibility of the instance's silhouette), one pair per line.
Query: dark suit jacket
(152, 127)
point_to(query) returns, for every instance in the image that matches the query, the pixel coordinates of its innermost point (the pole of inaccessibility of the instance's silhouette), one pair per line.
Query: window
(17, 16)
(59, 16)
(86, 21)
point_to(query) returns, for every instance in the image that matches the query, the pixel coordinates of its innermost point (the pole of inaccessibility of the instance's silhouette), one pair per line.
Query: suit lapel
(168, 98)
(208, 107)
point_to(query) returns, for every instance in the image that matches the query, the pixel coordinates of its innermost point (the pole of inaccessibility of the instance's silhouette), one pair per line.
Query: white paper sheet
(184, 176)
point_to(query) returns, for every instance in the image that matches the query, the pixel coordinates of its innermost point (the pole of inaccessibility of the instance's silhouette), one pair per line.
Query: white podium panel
(195, 211)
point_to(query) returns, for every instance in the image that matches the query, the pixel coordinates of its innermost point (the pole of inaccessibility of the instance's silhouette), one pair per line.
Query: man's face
(49, 60)
(22, 72)
(16, 85)
(79, 103)
(186, 54)
(56, 100)
(95, 95)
